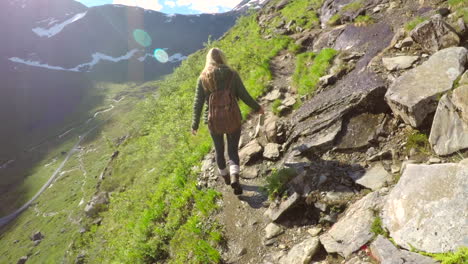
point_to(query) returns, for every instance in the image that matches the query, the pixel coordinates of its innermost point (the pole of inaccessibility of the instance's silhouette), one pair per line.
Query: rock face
(358, 130)
(353, 230)
(302, 253)
(399, 63)
(413, 96)
(387, 253)
(434, 35)
(318, 122)
(449, 131)
(375, 178)
(427, 209)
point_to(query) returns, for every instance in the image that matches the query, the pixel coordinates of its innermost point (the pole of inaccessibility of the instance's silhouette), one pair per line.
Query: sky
(173, 6)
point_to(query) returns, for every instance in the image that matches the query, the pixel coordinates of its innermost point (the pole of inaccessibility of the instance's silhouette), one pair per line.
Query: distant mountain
(52, 50)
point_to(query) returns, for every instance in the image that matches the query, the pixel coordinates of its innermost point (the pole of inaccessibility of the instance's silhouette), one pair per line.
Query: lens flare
(161, 55)
(142, 38)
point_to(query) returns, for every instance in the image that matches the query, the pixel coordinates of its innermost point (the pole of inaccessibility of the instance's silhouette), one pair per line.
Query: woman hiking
(221, 86)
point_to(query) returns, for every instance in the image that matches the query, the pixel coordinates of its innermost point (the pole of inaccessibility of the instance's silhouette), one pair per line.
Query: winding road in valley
(7, 219)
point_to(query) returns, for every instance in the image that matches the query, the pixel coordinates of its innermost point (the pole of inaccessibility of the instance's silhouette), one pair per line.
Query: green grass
(306, 18)
(419, 141)
(413, 23)
(457, 257)
(56, 213)
(354, 6)
(275, 105)
(456, 3)
(377, 228)
(277, 180)
(460, 256)
(364, 20)
(335, 19)
(309, 68)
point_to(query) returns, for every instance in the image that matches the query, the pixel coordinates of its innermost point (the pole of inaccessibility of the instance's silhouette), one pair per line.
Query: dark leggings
(233, 147)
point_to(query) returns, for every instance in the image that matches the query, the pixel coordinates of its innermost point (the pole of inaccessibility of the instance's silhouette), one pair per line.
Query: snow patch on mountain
(246, 4)
(174, 58)
(55, 29)
(38, 64)
(96, 58)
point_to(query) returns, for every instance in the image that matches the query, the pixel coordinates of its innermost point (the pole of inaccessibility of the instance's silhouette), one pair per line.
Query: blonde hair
(214, 59)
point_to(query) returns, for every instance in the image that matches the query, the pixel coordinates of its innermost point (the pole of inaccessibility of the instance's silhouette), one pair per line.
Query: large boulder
(449, 131)
(434, 35)
(413, 96)
(354, 229)
(386, 253)
(428, 207)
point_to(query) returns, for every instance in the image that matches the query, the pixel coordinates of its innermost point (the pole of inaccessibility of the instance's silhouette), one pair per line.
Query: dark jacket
(221, 76)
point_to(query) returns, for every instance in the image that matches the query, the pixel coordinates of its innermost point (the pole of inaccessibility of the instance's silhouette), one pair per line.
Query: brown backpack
(224, 114)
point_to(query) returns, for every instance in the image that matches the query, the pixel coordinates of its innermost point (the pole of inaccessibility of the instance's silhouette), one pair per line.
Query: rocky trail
(378, 153)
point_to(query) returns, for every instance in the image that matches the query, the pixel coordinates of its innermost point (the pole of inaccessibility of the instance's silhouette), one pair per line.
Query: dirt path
(243, 215)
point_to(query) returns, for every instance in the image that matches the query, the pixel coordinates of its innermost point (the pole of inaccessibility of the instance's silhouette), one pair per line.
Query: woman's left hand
(194, 132)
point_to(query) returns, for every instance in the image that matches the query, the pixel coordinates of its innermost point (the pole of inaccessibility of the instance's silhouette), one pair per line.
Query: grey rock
(22, 260)
(314, 231)
(273, 230)
(273, 95)
(387, 253)
(449, 132)
(434, 35)
(96, 204)
(353, 229)
(434, 160)
(249, 173)
(427, 209)
(38, 236)
(327, 79)
(399, 63)
(302, 253)
(289, 101)
(272, 151)
(250, 151)
(275, 212)
(395, 168)
(413, 96)
(374, 178)
(407, 42)
(270, 128)
(385, 154)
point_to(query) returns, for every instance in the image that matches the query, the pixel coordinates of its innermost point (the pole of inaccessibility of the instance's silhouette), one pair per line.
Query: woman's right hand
(194, 132)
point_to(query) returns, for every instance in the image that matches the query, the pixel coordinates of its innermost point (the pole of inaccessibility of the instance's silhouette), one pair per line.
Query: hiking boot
(225, 175)
(234, 171)
(235, 184)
